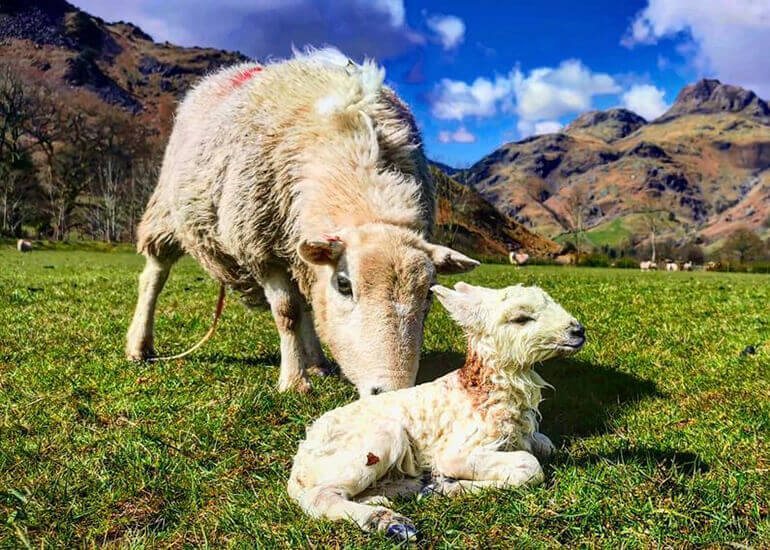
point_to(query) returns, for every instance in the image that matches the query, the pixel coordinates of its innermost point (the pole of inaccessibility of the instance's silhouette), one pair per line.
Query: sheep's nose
(577, 330)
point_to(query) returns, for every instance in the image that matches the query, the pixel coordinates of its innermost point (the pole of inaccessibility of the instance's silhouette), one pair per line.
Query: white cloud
(461, 135)
(547, 127)
(455, 99)
(549, 93)
(449, 29)
(728, 39)
(645, 100)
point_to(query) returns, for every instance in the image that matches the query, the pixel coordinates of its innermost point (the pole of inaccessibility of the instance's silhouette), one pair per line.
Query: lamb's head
(370, 294)
(517, 326)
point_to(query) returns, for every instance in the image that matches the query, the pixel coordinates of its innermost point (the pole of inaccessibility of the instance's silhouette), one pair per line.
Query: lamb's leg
(333, 504)
(286, 306)
(139, 340)
(540, 446)
(386, 490)
(486, 469)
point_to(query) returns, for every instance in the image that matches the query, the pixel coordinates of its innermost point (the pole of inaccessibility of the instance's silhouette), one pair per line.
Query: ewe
(475, 427)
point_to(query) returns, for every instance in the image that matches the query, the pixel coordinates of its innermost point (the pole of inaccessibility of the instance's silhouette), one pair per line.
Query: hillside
(705, 161)
(468, 222)
(117, 62)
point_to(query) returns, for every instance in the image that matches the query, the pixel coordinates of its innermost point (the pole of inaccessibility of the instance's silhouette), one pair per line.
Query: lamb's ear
(463, 308)
(326, 249)
(448, 261)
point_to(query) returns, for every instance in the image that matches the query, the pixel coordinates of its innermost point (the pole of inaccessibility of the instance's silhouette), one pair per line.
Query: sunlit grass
(662, 425)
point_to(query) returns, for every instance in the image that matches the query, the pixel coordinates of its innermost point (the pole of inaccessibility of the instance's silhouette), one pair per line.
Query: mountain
(117, 62)
(706, 161)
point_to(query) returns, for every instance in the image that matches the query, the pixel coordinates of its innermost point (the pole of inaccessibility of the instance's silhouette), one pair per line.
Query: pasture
(662, 425)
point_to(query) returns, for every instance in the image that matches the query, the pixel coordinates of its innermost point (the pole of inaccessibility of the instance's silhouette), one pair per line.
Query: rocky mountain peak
(608, 125)
(708, 96)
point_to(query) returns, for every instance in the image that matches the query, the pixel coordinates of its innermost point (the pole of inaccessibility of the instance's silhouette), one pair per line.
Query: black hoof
(402, 532)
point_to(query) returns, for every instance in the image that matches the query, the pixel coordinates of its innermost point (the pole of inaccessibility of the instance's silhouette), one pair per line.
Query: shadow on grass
(266, 360)
(687, 462)
(585, 396)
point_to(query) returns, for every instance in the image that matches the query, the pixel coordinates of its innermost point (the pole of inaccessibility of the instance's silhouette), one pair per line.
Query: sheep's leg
(315, 359)
(139, 340)
(286, 305)
(506, 469)
(333, 504)
(386, 490)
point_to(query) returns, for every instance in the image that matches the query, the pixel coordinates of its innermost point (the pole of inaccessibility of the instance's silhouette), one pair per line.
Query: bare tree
(652, 214)
(576, 201)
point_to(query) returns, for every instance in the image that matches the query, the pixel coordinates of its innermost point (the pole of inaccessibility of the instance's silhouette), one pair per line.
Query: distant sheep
(476, 427)
(672, 266)
(565, 259)
(518, 258)
(687, 266)
(23, 245)
(647, 266)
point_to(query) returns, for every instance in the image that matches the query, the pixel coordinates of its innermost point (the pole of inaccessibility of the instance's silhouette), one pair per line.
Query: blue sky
(479, 74)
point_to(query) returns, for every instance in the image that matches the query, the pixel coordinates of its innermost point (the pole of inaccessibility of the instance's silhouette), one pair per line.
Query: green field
(662, 426)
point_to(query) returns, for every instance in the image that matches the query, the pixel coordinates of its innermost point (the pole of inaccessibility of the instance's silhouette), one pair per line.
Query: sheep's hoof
(137, 356)
(324, 369)
(403, 531)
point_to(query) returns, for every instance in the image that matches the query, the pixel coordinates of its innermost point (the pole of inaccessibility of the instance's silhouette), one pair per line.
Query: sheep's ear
(463, 308)
(326, 249)
(448, 261)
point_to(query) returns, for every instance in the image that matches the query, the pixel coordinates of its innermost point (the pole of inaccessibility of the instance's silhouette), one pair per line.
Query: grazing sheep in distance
(476, 427)
(687, 266)
(23, 245)
(647, 266)
(712, 266)
(302, 185)
(518, 258)
(565, 259)
(672, 265)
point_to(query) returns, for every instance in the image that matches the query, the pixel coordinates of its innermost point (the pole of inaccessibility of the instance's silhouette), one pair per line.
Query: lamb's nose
(577, 330)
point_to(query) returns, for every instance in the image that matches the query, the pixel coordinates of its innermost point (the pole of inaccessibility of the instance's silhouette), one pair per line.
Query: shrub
(627, 263)
(594, 260)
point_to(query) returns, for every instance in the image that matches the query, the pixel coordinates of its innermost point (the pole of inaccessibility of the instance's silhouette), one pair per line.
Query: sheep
(518, 258)
(671, 265)
(303, 186)
(23, 245)
(473, 428)
(648, 265)
(687, 266)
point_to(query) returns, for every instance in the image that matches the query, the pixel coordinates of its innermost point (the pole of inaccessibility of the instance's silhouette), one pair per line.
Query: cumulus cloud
(449, 29)
(461, 135)
(728, 39)
(455, 99)
(538, 97)
(264, 28)
(645, 100)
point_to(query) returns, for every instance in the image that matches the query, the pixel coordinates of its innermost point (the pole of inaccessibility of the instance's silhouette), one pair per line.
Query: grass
(662, 426)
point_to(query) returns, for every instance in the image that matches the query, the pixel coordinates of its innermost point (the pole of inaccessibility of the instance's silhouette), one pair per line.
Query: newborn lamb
(475, 427)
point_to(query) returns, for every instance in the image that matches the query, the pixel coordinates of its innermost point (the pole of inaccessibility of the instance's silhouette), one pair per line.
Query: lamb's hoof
(299, 385)
(428, 491)
(137, 356)
(402, 532)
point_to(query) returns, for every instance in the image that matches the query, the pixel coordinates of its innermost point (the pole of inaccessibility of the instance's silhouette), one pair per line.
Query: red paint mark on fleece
(243, 76)
(372, 459)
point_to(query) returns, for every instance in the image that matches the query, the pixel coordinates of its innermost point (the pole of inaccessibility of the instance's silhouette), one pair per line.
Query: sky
(483, 73)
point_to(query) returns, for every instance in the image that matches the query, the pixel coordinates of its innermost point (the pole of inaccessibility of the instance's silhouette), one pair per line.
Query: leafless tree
(576, 202)
(652, 214)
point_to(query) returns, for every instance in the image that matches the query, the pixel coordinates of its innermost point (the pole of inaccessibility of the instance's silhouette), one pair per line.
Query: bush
(627, 263)
(594, 260)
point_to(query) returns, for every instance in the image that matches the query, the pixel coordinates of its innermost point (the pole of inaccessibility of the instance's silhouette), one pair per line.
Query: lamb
(518, 258)
(647, 266)
(23, 245)
(671, 265)
(687, 266)
(302, 185)
(476, 427)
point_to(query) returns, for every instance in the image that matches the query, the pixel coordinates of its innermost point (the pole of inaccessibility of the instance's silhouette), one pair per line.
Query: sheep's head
(517, 325)
(370, 297)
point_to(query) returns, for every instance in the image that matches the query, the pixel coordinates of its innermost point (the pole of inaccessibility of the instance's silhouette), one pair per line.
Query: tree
(653, 217)
(576, 206)
(745, 245)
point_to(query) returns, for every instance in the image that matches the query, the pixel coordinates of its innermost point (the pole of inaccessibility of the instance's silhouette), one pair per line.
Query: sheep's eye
(343, 285)
(522, 319)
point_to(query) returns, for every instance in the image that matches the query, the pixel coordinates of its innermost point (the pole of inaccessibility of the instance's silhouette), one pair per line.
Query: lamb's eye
(343, 285)
(522, 319)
